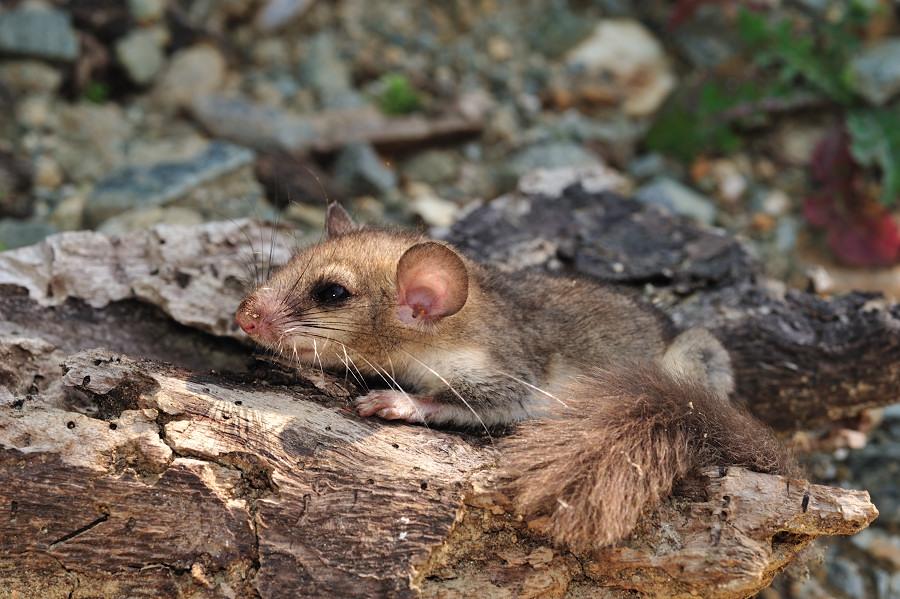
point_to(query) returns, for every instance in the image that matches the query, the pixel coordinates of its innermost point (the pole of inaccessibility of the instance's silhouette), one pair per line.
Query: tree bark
(144, 452)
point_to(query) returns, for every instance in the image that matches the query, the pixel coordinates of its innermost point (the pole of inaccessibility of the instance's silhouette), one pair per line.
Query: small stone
(875, 72)
(731, 184)
(92, 139)
(140, 52)
(271, 51)
(432, 167)
(329, 75)
(623, 57)
(69, 213)
(38, 32)
(794, 142)
(147, 11)
(776, 202)
(359, 170)
(192, 72)
(146, 186)
(499, 49)
(762, 222)
(145, 218)
(647, 166)
(677, 198)
(846, 576)
(434, 210)
(29, 76)
(550, 155)
(35, 112)
(278, 13)
(19, 233)
(47, 173)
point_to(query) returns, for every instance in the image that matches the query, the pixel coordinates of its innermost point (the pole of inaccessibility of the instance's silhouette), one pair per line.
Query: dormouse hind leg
(698, 355)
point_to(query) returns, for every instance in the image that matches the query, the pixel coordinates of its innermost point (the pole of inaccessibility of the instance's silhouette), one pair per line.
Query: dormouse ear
(338, 220)
(432, 282)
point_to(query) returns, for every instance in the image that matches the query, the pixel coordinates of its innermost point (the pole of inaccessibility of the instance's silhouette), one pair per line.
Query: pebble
(24, 77)
(677, 198)
(795, 141)
(548, 155)
(36, 112)
(147, 11)
(432, 167)
(145, 218)
(140, 52)
(16, 233)
(38, 32)
(875, 72)
(434, 210)
(845, 575)
(278, 13)
(47, 173)
(145, 186)
(359, 171)
(92, 139)
(192, 72)
(325, 71)
(623, 58)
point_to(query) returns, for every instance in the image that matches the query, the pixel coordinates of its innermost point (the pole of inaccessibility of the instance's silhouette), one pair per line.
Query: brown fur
(615, 452)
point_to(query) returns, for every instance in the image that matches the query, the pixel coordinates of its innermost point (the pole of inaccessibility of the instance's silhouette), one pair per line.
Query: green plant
(397, 95)
(784, 61)
(96, 92)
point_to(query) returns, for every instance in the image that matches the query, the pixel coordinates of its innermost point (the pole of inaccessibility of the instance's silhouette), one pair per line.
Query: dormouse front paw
(393, 405)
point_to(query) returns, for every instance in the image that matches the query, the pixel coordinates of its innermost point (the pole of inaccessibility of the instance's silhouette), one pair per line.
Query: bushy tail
(620, 445)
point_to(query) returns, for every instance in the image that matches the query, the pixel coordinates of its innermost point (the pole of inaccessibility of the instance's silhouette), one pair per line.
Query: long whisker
(452, 390)
(399, 388)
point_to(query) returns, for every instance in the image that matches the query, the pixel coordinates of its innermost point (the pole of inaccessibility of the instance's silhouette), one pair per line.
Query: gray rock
(325, 71)
(677, 198)
(846, 576)
(24, 77)
(145, 186)
(647, 166)
(141, 54)
(549, 155)
(38, 32)
(432, 167)
(93, 139)
(558, 30)
(192, 72)
(147, 10)
(359, 170)
(875, 72)
(144, 218)
(19, 233)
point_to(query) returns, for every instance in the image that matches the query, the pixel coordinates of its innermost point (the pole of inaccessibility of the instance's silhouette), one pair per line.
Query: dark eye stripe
(330, 293)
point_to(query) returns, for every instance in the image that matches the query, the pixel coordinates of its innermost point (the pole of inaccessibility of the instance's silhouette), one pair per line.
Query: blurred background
(778, 121)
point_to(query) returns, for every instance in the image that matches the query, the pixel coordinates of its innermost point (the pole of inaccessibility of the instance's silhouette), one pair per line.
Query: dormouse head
(361, 293)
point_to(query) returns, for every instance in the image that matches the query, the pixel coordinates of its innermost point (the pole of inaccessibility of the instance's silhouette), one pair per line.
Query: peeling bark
(145, 453)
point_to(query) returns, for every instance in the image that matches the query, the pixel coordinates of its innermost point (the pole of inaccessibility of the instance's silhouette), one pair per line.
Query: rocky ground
(119, 115)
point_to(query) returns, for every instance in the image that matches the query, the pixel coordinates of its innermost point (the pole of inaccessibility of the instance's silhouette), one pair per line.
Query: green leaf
(96, 92)
(875, 142)
(398, 96)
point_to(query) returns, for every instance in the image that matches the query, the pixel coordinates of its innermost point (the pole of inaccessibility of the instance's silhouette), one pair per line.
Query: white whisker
(454, 391)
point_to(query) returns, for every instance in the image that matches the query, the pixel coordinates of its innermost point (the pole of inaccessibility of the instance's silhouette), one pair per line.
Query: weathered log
(170, 463)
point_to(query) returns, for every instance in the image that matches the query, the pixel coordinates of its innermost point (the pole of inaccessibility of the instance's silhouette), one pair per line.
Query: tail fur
(620, 445)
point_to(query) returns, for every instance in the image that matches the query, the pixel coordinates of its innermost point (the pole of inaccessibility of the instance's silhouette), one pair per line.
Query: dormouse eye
(330, 293)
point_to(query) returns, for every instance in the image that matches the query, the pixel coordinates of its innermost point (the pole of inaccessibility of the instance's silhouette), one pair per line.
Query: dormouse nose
(247, 320)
